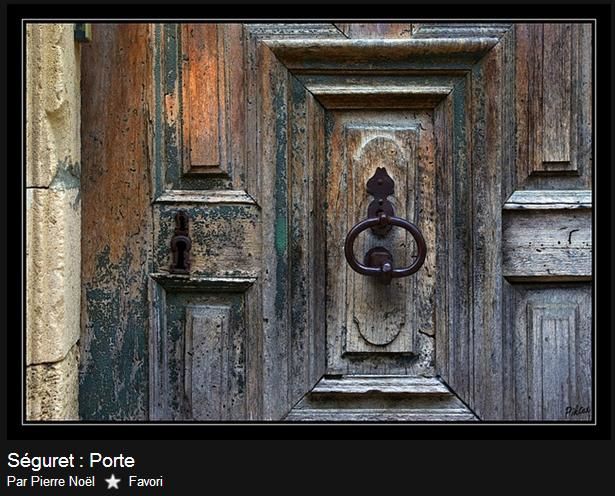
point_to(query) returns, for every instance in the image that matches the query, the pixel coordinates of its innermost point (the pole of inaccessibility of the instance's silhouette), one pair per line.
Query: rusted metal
(181, 245)
(378, 261)
(380, 186)
(380, 257)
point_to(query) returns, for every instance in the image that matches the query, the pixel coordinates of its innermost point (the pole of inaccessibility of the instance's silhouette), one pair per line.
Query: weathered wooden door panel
(367, 319)
(546, 228)
(265, 135)
(116, 222)
(253, 296)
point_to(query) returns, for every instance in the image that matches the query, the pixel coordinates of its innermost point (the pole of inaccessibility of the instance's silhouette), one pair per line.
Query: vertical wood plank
(201, 106)
(426, 216)
(552, 341)
(207, 373)
(233, 128)
(509, 121)
(301, 257)
(379, 317)
(522, 165)
(551, 352)
(553, 109)
(486, 239)
(535, 96)
(443, 135)
(461, 211)
(582, 98)
(556, 94)
(306, 242)
(318, 241)
(116, 82)
(273, 150)
(336, 184)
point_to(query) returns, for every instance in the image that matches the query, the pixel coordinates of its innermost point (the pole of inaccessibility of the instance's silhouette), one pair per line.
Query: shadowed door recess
(266, 135)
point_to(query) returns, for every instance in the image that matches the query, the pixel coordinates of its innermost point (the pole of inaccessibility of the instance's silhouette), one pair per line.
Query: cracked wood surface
(267, 139)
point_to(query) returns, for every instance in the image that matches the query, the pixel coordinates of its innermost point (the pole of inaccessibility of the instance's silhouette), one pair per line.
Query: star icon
(112, 482)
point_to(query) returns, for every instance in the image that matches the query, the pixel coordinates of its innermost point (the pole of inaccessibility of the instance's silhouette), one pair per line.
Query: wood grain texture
(366, 318)
(343, 414)
(547, 215)
(486, 126)
(202, 78)
(551, 353)
(375, 384)
(375, 30)
(299, 109)
(459, 30)
(343, 56)
(557, 97)
(204, 366)
(379, 96)
(224, 223)
(553, 106)
(549, 200)
(454, 353)
(207, 197)
(231, 227)
(543, 244)
(204, 284)
(272, 152)
(377, 314)
(305, 241)
(289, 133)
(380, 398)
(203, 102)
(116, 86)
(207, 371)
(225, 238)
(280, 30)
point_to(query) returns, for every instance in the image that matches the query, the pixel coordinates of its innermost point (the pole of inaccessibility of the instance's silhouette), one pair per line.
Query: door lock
(180, 245)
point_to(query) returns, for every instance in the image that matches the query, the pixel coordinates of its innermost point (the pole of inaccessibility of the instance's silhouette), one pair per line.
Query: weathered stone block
(53, 103)
(52, 389)
(53, 264)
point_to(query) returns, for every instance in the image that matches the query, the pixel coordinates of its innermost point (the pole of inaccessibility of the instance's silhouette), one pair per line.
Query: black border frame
(11, 425)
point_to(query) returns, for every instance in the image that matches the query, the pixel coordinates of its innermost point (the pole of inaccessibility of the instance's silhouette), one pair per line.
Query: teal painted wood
(262, 223)
(116, 223)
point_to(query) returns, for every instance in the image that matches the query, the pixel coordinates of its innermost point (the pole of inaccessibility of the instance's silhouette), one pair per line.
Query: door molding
(254, 179)
(452, 78)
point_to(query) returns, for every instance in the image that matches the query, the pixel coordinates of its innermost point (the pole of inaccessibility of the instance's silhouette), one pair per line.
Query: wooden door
(265, 136)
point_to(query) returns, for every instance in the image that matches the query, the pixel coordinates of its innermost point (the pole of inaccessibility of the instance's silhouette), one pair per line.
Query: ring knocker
(378, 261)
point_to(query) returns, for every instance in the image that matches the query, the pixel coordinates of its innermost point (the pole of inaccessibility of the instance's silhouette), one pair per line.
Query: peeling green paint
(169, 160)
(233, 347)
(169, 167)
(213, 229)
(281, 236)
(113, 377)
(158, 178)
(281, 200)
(67, 175)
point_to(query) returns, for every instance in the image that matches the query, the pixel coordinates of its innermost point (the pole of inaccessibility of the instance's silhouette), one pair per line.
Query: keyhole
(180, 245)
(181, 222)
(181, 255)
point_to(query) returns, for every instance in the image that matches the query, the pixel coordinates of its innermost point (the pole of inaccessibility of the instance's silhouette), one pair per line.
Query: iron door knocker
(378, 261)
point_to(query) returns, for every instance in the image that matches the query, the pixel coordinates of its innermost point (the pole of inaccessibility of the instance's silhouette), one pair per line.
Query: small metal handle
(385, 272)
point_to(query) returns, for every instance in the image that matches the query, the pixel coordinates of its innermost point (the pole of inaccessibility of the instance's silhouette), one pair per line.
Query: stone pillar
(53, 216)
